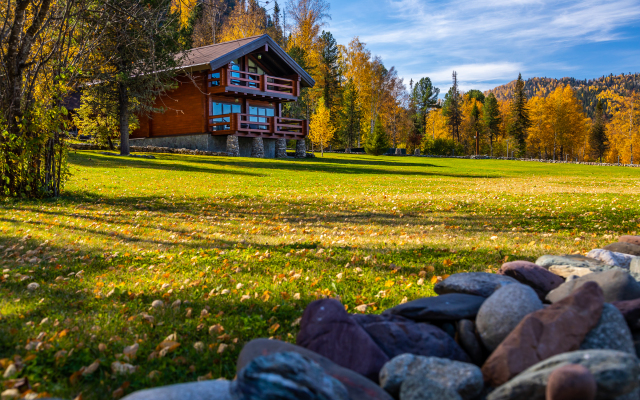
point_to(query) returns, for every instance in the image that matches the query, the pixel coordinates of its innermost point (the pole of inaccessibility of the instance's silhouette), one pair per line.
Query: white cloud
(487, 42)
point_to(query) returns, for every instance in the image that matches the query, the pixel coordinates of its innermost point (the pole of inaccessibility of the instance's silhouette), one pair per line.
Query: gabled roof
(221, 54)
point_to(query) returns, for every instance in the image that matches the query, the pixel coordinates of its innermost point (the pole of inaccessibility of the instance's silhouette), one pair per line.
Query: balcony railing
(226, 77)
(253, 125)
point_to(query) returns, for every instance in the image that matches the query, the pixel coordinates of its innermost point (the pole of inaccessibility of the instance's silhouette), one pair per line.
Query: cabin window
(254, 69)
(215, 75)
(223, 110)
(260, 117)
(235, 66)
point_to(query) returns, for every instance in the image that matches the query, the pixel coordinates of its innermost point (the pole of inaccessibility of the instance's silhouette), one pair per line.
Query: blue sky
(489, 41)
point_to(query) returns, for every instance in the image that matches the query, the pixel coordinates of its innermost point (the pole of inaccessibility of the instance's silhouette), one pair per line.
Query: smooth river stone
(359, 387)
(205, 390)
(616, 374)
(611, 333)
(623, 247)
(574, 260)
(566, 271)
(558, 328)
(475, 283)
(396, 335)
(612, 258)
(533, 275)
(286, 376)
(630, 239)
(447, 307)
(571, 382)
(464, 378)
(328, 330)
(503, 311)
(617, 284)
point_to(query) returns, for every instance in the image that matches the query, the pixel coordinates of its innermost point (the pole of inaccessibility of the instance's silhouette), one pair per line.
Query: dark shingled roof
(220, 54)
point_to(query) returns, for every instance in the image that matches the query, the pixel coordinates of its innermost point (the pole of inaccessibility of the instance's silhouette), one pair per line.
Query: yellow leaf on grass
(389, 283)
(274, 328)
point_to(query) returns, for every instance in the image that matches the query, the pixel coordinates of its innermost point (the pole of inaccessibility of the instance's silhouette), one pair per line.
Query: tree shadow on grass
(188, 163)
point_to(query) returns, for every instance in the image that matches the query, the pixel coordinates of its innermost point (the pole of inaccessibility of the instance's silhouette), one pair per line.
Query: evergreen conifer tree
(349, 116)
(378, 142)
(519, 116)
(491, 118)
(452, 108)
(598, 135)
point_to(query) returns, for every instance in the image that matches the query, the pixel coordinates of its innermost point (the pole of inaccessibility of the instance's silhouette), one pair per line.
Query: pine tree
(491, 118)
(424, 96)
(452, 108)
(519, 116)
(378, 142)
(329, 56)
(598, 135)
(349, 116)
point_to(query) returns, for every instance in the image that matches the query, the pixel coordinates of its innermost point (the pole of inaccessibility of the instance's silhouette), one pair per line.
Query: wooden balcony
(226, 80)
(246, 125)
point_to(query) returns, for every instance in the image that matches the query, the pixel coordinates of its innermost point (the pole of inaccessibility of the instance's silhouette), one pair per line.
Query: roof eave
(247, 48)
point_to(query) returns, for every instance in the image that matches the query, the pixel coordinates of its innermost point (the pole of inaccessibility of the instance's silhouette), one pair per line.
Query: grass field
(244, 244)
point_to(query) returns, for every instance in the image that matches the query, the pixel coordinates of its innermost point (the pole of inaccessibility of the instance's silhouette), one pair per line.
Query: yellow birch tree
(321, 130)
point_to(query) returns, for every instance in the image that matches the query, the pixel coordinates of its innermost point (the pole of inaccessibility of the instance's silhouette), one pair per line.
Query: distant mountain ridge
(586, 90)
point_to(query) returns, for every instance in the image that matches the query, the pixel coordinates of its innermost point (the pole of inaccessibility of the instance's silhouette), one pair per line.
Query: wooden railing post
(228, 75)
(263, 83)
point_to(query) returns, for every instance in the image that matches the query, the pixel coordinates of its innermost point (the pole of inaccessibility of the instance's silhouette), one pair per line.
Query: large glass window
(223, 109)
(261, 116)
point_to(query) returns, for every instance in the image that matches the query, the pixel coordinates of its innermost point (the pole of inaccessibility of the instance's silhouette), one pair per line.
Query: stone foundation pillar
(301, 148)
(233, 148)
(257, 148)
(416, 152)
(281, 148)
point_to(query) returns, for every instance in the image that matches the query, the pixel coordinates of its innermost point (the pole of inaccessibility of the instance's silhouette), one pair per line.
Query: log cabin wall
(185, 113)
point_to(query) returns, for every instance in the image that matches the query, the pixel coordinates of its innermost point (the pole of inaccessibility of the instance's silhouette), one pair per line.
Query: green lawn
(245, 244)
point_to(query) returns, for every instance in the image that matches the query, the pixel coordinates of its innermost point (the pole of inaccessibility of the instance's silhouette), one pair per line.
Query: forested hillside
(586, 91)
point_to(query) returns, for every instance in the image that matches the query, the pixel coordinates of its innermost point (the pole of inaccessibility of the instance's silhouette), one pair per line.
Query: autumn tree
(246, 19)
(139, 58)
(45, 53)
(491, 118)
(452, 108)
(598, 135)
(321, 129)
(207, 26)
(623, 130)
(519, 116)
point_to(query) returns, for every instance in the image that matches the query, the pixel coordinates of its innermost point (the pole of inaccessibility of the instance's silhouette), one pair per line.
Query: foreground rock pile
(565, 327)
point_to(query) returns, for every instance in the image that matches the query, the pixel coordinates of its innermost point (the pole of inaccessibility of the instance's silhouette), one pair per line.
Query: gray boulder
(616, 374)
(623, 247)
(470, 341)
(476, 283)
(503, 311)
(611, 333)
(574, 260)
(286, 376)
(448, 307)
(420, 388)
(616, 285)
(612, 258)
(463, 378)
(205, 390)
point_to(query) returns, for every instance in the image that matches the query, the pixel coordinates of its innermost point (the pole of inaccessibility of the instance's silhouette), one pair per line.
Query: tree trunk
(123, 100)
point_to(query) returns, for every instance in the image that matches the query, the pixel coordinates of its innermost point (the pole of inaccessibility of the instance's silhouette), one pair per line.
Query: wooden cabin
(230, 100)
